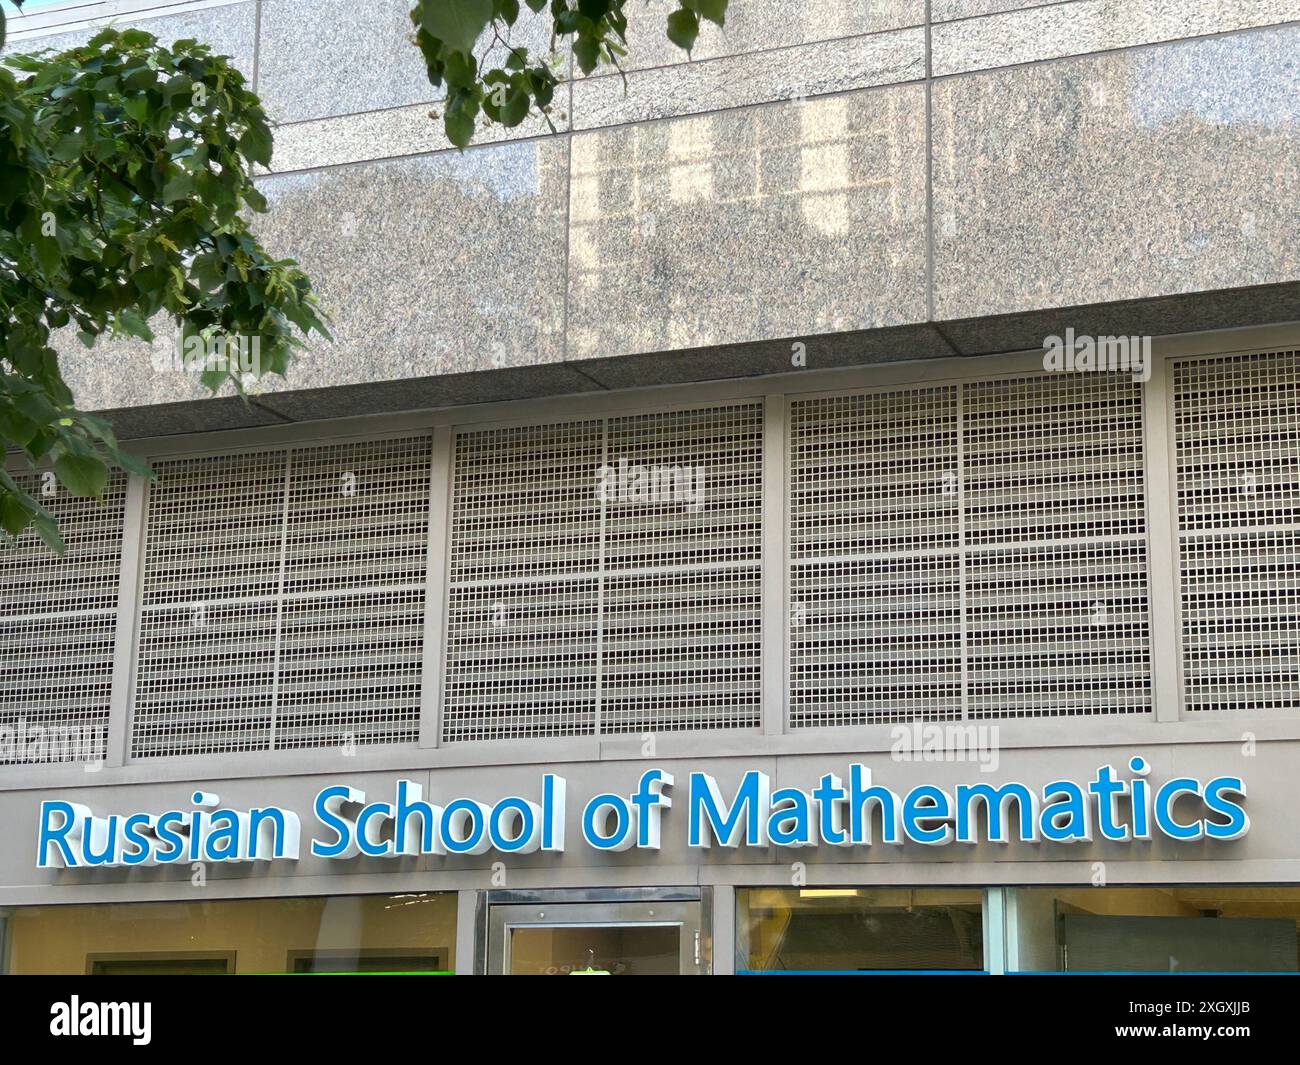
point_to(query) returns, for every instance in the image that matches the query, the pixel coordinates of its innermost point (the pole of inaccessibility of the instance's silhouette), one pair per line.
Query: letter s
(329, 812)
(1216, 801)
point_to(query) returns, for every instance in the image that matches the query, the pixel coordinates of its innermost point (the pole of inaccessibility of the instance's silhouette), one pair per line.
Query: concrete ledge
(1162, 316)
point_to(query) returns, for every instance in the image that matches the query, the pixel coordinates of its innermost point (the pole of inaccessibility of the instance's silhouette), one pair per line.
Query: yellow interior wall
(261, 932)
(1118, 902)
(646, 949)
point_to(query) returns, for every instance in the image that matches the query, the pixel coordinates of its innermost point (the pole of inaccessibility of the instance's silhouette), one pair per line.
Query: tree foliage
(449, 31)
(125, 192)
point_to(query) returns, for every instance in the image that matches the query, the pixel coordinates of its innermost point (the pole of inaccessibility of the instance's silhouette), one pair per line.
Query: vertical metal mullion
(600, 582)
(129, 606)
(995, 931)
(279, 599)
(963, 591)
(433, 663)
(774, 575)
(1162, 544)
(722, 934)
(471, 919)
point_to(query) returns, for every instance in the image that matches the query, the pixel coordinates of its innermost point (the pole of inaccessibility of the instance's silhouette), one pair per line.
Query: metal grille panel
(205, 680)
(682, 616)
(1053, 458)
(606, 576)
(215, 527)
(58, 620)
(875, 611)
(1058, 630)
(522, 612)
(681, 651)
(521, 660)
(1055, 512)
(972, 551)
(1237, 445)
(284, 600)
(525, 505)
(350, 669)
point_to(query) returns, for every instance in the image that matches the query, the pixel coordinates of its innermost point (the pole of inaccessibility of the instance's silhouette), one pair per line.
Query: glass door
(595, 939)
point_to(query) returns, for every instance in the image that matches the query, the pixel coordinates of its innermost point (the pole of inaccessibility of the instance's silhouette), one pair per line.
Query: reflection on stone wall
(765, 222)
(430, 265)
(1119, 176)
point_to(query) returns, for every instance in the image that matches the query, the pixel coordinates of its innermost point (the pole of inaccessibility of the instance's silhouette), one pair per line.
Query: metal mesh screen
(605, 576)
(681, 610)
(58, 619)
(1237, 444)
(523, 587)
(875, 608)
(970, 551)
(1055, 504)
(283, 599)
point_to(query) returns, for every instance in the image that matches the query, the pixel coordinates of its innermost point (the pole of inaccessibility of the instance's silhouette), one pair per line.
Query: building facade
(833, 505)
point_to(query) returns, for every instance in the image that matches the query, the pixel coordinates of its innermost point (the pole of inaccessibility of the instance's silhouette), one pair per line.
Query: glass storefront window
(1157, 929)
(858, 929)
(343, 933)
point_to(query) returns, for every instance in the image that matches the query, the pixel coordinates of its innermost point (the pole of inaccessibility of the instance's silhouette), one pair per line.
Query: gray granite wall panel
(1120, 176)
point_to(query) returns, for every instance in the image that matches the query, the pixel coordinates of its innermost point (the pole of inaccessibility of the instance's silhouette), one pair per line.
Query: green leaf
(515, 109)
(255, 144)
(69, 146)
(48, 254)
(178, 86)
(543, 86)
(458, 120)
(179, 187)
(131, 464)
(132, 324)
(457, 23)
(713, 10)
(14, 426)
(137, 39)
(82, 475)
(586, 51)
(48, 530)
(460, 70)
(140, 78)
(14, 513)
(683, 29)
(138, 108)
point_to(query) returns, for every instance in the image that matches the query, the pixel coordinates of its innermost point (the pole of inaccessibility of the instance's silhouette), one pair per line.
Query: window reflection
(857, 929)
